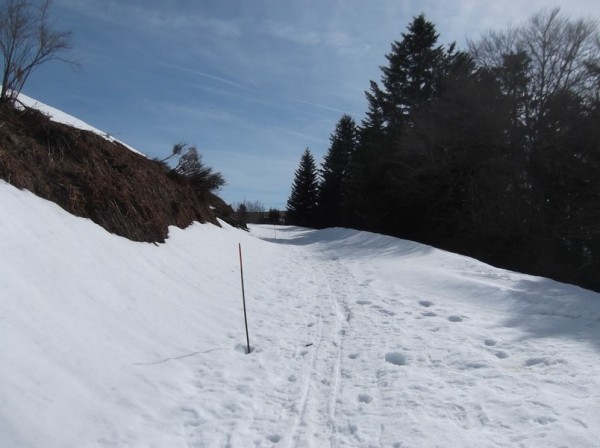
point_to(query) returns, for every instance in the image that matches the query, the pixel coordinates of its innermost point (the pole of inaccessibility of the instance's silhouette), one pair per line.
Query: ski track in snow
(316, 420)
(375, 378)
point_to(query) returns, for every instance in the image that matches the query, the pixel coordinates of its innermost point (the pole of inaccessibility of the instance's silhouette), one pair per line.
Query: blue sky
(251, 83)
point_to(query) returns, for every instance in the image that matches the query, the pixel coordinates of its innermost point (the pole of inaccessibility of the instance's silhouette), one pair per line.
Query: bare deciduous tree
(560, 51)
(27, 40)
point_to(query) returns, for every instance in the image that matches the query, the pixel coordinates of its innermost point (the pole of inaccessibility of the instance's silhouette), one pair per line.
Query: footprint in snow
(363, 302)
(398, 359)
(545, 361)
(534, 361)
(501, 354)
(455, 318)
(353, 356)
(365, 398)
(425, 303)
(191, 417)
(489, 342)
(429, 314)
(274, 438)
(544, 420)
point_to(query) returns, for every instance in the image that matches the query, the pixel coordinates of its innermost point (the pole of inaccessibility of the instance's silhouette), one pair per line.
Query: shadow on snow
(540, 307)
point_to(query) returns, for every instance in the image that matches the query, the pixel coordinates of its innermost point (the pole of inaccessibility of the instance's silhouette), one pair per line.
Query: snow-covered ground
(359, 340)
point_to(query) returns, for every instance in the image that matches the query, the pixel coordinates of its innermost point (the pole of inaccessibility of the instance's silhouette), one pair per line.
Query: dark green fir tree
(302, 203)
(334, 172)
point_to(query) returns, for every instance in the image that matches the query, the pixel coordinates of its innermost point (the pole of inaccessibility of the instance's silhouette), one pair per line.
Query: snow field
(485, 357)
(359, 340)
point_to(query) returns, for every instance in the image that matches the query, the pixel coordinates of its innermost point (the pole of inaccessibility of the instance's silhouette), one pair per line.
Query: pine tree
(363, 180)
(334, 171)
(302, 203)
(273, 216)
(412, 78)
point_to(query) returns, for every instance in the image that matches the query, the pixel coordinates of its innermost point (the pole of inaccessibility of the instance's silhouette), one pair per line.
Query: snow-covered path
(359, 340)
(400, 359)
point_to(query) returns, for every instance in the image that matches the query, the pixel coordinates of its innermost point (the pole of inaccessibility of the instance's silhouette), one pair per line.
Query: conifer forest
(492, 151)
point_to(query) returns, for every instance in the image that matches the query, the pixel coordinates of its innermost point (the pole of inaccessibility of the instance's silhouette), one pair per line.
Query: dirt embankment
(89, 176)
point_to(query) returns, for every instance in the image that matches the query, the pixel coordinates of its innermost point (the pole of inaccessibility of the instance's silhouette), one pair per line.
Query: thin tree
(242, 214)
(191, 168)
(334, 171)
(202, 178)
(27, 40)
(302, 203)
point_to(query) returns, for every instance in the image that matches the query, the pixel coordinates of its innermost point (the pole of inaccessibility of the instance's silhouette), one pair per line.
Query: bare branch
(28, 40)
(561, 53)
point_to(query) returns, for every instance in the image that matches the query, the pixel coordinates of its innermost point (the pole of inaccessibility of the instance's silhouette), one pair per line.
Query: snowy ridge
(360, 340)
(59, 116)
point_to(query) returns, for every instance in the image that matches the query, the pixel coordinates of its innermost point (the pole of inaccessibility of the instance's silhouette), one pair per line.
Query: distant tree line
(254, 212)
(492, 152)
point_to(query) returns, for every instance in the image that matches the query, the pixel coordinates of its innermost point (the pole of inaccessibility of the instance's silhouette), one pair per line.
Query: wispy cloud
(320, 106)
(290, 33)
(220, 79)
(154, 16)
(254, 77)
(337, 39)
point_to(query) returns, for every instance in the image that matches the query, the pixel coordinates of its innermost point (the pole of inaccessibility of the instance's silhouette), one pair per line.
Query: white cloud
(144, 15)
(207, 75)
(320, 106)
(334, 39)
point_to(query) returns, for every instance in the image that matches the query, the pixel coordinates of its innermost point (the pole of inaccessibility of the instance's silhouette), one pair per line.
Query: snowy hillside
(359, 340)
(59, 116)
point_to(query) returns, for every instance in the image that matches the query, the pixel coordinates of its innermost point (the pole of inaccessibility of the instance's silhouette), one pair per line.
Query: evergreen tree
(334, 171)
(302, 203)
(363, 181)
(413, 76)
(273, 216)
(492, 154)
(242, 214)
(413, 79)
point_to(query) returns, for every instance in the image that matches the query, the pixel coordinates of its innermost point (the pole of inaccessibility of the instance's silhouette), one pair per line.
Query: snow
(359, 340)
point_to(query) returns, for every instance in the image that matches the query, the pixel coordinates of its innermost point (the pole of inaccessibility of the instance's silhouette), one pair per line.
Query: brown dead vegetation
(91, 177)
